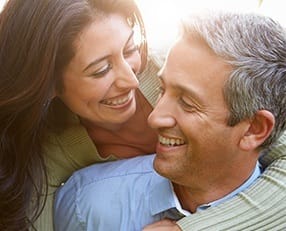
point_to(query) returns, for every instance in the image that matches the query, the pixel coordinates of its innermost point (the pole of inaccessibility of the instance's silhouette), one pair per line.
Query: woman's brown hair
(36, 38)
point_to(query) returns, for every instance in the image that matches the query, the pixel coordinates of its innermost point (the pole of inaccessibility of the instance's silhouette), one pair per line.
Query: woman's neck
(132, 138)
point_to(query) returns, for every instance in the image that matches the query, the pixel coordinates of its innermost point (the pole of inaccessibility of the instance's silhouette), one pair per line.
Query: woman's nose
(125, 76)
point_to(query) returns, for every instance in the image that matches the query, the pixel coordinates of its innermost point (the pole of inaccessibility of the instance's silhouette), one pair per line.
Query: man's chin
(161, 166)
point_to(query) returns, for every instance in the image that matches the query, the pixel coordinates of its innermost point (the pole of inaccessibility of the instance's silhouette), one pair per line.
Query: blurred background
(162, 16)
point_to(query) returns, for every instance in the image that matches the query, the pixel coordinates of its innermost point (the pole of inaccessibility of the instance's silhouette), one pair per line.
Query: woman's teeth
(170, 141)
(116, 102)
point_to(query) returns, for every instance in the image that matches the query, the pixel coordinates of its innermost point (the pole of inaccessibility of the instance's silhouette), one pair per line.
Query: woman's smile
(119, 101)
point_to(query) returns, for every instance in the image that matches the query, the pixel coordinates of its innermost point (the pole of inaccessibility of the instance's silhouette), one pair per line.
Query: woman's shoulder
(68, 151)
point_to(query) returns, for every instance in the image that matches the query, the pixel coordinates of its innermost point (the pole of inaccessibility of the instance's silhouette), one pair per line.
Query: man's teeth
(116, 102)
(170, 141)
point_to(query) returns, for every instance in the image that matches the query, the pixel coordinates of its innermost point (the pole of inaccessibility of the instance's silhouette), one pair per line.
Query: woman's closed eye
(102, 71)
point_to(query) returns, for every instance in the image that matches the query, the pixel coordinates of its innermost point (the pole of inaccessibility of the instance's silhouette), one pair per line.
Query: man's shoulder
(93, 186)
(120, 189)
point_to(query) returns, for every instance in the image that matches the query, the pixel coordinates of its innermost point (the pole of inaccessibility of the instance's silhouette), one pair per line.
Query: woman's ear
(259, 129)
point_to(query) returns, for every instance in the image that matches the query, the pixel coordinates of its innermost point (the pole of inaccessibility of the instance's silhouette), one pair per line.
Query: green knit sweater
(263, 206)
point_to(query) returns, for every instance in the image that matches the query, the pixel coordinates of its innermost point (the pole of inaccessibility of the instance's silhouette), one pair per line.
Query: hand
(163, 225)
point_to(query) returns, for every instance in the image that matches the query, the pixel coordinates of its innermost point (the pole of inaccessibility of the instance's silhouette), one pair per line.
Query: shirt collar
(163, 197)
(255, 174)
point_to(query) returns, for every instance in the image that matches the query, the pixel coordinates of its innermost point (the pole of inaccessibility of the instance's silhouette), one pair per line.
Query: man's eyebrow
(191, 92)
(106, 56)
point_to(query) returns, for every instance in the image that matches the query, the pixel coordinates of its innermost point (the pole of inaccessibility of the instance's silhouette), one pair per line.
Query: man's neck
(192, 198)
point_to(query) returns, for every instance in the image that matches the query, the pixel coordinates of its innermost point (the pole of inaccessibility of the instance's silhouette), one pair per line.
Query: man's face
(196, 147)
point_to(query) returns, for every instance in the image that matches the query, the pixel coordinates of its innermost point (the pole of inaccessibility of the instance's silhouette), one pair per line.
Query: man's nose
(162, 115)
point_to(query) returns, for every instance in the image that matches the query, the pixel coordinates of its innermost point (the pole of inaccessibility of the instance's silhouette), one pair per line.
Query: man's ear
(259, 128)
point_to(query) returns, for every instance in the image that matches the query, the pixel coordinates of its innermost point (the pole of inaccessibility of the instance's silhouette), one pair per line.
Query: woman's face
(100, 81)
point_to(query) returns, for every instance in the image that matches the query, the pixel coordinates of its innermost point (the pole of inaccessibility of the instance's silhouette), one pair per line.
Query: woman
(56, 64)
(68, 92)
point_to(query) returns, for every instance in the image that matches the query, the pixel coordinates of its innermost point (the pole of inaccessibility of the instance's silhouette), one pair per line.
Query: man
(222, 101)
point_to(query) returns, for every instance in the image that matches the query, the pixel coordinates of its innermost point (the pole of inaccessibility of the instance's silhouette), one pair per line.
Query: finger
(164, 222)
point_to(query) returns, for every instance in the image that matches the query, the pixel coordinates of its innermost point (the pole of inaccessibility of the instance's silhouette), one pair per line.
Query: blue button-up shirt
(123, 195)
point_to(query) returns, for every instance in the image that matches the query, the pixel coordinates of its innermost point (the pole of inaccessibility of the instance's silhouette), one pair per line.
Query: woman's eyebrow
(95, 62)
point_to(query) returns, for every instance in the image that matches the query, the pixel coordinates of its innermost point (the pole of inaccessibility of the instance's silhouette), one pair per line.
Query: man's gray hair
(255, 46)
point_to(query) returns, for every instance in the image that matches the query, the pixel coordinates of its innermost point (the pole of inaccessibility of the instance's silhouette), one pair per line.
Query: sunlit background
(162, 16)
